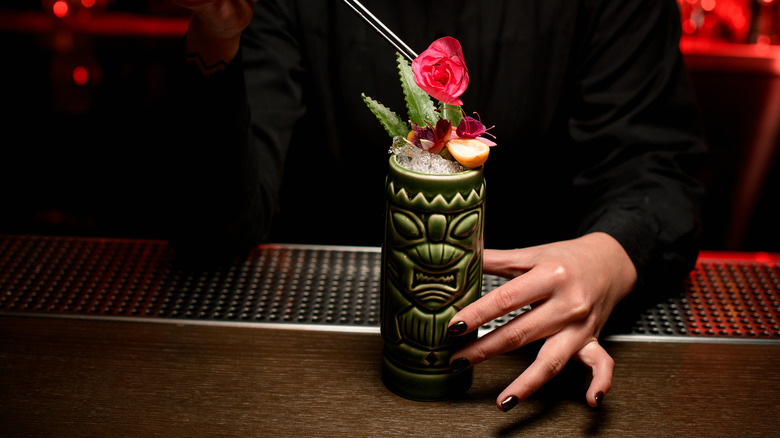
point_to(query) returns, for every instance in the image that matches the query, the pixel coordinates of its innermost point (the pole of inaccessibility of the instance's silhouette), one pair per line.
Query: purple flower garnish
(470, 127)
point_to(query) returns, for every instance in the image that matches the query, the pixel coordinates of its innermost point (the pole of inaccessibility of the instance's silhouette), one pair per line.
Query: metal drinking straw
(381, 29)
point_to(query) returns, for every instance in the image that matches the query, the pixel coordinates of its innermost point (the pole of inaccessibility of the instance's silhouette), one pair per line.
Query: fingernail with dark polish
(459, 364)
(599, 398)
(457, 328)
(509, 403)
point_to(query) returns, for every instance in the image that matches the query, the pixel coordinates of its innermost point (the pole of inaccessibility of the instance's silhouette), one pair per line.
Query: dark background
(73, 160)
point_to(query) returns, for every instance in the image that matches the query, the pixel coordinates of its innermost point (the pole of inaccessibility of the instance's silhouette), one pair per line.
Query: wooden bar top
(63, 377)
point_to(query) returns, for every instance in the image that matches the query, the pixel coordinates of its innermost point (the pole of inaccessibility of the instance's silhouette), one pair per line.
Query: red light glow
(708, 5)
(739, 256)
(87, 3)
(80, 75)
(689, 26)
(60, 8)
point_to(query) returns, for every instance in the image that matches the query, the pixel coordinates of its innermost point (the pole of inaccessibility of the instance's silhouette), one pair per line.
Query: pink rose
(441, 72)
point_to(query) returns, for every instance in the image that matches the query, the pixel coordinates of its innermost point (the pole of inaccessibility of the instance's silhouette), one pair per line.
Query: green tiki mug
(431, 268)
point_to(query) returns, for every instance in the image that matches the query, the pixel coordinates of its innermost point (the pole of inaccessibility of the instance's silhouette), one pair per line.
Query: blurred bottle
(764, 23)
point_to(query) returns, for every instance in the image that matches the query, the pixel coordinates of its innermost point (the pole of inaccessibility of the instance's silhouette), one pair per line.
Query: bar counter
(91, 372)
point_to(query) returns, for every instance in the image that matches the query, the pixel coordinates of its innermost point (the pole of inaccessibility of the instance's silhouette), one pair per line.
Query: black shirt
(595, 122)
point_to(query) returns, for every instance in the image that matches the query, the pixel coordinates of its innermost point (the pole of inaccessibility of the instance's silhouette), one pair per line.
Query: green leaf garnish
(452, 113)
(418, 103)
(393, 124)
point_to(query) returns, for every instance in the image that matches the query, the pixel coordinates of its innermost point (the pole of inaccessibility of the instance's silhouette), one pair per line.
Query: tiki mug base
(425, 386)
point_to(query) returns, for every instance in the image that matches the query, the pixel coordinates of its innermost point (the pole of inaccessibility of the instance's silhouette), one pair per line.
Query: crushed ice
(415, 159)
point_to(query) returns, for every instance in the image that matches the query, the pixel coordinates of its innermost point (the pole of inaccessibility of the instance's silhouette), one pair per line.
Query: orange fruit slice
(469, 152)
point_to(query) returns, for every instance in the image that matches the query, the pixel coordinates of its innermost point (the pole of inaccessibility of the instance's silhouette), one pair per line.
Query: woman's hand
(214, 32)
(572, 287)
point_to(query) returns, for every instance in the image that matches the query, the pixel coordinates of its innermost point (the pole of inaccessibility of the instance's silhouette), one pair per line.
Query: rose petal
(447, 45)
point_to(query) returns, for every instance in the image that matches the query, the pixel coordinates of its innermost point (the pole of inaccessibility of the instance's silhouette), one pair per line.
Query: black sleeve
(635, 111)
(234, 132)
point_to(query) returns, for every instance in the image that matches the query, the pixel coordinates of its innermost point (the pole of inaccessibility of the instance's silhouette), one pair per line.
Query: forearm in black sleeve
(234, 131)
(635, 118)
(215, 190)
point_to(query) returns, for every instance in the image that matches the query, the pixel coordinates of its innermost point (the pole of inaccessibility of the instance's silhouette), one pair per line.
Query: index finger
(517, 293)
(506, 263)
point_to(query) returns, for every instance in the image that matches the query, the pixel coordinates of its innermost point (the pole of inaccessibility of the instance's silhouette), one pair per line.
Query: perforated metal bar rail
(726, 298)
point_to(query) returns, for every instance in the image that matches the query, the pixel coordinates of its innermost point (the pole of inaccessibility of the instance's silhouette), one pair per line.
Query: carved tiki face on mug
(431, 252)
